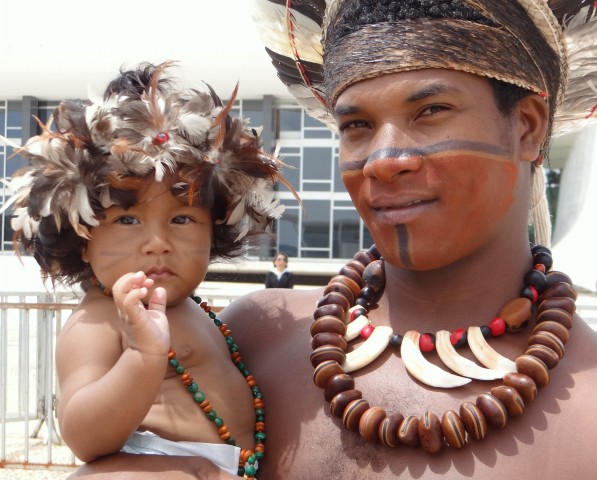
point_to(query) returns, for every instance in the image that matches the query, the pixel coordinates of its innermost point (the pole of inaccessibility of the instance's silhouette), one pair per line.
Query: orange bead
(259, 426)
(260, 447)
(235, 356)
(185, 376)
(258, 403)
(223, 429)
(171, 354)
(225, 436)
(540, 267)
(251, 383)
(245, 454)
(188, 381)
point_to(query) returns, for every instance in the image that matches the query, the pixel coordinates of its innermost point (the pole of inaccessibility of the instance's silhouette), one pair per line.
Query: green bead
(231, 441)
(241, 471)
(199, 397)
(259, 455)
(180, 369)
(174, 362)
(258, 395)
(217, 323)
(260, 418)
(212, 415)
(260, 436)
(218, 421)
(250, 470)
(260, 411)
(197, 298)
(241, 366)
(251, 460)
(233, 348)
(230, 340)
(255, 390)
(193, 387)
(212, 315)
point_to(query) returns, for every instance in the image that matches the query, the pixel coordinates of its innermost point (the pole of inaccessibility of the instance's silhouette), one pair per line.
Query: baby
(133, 196)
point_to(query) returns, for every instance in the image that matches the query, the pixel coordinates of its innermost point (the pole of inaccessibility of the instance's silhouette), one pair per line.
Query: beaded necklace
(248, 458)
(360, 283)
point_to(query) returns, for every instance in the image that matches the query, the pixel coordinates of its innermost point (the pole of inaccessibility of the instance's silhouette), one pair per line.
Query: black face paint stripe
(395, 152)
(403, 245)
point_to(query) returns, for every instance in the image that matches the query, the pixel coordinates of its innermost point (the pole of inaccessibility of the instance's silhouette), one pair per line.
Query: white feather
(195, 126)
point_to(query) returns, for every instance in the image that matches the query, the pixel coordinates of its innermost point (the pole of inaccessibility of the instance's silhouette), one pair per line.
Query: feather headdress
(101, 148)
(297, 38)
(100, 152)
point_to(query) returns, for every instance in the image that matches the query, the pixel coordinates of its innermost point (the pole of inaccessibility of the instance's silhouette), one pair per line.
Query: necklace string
(361, 284)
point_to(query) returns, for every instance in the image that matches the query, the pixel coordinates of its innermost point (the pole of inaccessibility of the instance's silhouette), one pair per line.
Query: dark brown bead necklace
(359, 283)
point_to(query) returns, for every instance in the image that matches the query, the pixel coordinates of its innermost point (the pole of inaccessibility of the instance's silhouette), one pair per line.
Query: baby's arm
(106, 392)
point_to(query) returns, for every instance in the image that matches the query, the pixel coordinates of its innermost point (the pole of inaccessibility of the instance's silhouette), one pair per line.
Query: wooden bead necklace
(248, 458)
(360, 284)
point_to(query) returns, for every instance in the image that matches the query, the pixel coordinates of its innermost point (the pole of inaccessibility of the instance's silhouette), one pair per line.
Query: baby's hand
(146, 328)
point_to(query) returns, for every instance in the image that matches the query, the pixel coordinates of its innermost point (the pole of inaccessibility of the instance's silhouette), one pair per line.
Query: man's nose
(387, 163)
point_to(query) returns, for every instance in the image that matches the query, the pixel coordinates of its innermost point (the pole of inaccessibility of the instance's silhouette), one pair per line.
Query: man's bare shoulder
(273, 303)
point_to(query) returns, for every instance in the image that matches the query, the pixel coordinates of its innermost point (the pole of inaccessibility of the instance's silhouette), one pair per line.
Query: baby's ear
(533, 114)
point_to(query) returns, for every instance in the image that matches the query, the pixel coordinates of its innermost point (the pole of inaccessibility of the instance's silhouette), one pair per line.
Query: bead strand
(248, 458)
(552, 292)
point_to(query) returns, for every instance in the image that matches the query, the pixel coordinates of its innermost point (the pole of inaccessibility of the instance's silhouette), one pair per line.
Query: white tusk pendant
(369, 350)
(418, 366)
(456, 362)
(354, 328)
(487, 355)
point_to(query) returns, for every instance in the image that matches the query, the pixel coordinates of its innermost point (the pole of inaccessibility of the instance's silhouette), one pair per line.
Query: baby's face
(162, 236)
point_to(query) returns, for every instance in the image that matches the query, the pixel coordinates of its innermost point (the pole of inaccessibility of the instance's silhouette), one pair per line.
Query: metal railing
(29, 325)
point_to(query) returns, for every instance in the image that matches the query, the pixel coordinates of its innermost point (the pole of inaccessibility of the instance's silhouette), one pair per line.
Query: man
(444, 112)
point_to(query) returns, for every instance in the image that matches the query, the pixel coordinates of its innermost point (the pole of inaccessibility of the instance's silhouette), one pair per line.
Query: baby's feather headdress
(99, 149)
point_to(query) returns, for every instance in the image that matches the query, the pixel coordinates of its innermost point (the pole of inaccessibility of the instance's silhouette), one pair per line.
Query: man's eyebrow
(345, 110)
(430, 90)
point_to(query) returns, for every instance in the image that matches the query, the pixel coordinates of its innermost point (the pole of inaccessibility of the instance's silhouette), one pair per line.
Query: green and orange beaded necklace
(248, 458)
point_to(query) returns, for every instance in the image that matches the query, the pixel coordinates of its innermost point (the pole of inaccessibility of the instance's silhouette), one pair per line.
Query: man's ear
(533, 114)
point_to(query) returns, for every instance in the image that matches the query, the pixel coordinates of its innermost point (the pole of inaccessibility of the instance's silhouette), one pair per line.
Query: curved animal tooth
(354, 328)
(369, 350)
(424, 371)
(458, 363)
(487, 355)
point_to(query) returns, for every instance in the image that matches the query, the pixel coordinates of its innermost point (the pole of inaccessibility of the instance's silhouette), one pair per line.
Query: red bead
(540, 267)
(535, 294)
(497, 327)
(456, 336)
(161, 138)
(427, 342)
(367, 331)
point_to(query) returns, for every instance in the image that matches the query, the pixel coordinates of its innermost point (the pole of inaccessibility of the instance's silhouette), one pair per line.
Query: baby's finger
(158, 300)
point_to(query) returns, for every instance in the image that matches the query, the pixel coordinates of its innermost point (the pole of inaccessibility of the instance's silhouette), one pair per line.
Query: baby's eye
(182, 219)
(127, 220)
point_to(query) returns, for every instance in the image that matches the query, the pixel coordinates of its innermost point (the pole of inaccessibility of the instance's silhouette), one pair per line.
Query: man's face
(431, 165)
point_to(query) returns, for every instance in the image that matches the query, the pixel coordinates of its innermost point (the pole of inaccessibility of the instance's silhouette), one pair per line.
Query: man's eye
(353, 124)
(433, 109)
